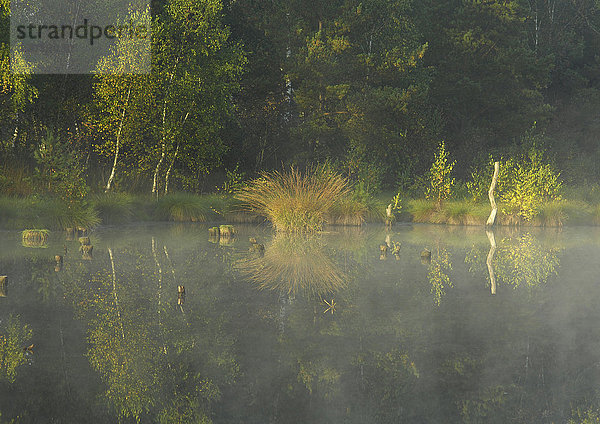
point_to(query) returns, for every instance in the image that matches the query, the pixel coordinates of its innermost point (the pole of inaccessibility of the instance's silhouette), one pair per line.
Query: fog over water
(326, 328)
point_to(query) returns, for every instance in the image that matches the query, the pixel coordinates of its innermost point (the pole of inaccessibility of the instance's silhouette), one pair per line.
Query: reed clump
(115, 208)
(183, 207)
(294, 201)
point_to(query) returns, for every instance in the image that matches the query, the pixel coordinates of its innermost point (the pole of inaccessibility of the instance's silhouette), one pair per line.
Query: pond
(161, 323)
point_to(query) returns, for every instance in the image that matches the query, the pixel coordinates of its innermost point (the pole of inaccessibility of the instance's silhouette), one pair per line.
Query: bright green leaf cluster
(439, 180)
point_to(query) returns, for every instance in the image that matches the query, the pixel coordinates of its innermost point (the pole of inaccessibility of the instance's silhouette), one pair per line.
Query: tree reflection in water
(515, 261)
(13, 336)
(437, 274)
(144, 349)
(388, 353)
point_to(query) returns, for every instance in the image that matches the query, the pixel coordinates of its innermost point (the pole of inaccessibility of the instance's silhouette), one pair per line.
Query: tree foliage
(439, 178)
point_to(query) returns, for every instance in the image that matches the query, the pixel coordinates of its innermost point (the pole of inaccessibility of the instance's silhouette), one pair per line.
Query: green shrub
(532, 182)
(439, 180)
(524, 183)
(58, 170)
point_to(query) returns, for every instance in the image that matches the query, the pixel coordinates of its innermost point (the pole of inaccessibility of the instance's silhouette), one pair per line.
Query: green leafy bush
(58, 170)
(439, 180)
(13, 336)
(524, 183)
(532, 182)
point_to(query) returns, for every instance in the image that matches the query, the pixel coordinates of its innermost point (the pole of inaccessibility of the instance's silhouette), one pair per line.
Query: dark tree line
(370, 86)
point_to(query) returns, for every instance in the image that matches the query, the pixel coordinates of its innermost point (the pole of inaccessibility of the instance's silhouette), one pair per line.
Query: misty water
(314, 329)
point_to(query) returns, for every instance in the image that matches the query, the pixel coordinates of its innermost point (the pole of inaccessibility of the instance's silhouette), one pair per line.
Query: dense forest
(370, 87)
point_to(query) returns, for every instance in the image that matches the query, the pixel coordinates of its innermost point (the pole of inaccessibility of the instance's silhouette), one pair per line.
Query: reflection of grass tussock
(292, 265)
(293, 201)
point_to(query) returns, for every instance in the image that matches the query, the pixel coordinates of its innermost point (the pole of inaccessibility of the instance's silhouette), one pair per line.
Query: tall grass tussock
(295, 201)
(115, 208)
(183, 207)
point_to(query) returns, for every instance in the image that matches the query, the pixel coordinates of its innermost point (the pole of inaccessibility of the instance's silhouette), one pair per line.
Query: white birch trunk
(492, 218)
(118, 141)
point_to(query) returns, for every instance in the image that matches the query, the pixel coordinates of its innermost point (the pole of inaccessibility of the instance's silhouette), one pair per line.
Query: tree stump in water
(389, 217)
(227, 231)
(3, 286)
(84, 241)
(213, 232)
(86, 250)
(35, 238)
(59, 263)
(426, 256)
(396, 249)
(70, 234)
(383, 250)
(259, 248)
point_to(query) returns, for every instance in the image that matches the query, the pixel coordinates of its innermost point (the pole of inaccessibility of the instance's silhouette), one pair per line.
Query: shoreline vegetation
(118, 209)
(528, 189)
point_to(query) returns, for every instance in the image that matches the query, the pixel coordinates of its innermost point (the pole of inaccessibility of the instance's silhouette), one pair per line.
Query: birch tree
(195, 71)
(122, 96)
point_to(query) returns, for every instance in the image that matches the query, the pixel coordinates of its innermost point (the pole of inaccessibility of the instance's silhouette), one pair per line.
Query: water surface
(320, 329)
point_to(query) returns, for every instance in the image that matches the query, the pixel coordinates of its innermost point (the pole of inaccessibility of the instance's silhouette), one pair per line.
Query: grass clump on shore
(115, 208)
(18, 213)
(453, 212)
(293, 201)
(183, 207)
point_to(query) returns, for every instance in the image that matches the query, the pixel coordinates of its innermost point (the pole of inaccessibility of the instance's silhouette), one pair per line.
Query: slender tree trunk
(114, 284)
(157, 169)
(164, 135)
(490, 258)
(169, 169)
(168, 173)
(163, 148)
(118, 141)
(492, 218)
(15, 135)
